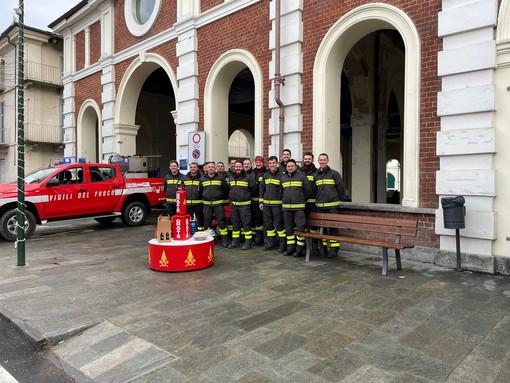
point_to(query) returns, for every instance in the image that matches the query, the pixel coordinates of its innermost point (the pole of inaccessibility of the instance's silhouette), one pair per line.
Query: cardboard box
(163, 229)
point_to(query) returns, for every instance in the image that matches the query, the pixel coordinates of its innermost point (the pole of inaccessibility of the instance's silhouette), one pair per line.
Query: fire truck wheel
(134, 214)
(8, 229)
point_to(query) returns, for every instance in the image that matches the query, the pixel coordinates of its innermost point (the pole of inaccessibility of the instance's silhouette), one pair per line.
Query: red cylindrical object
(181, 227)
(180, 201)
(181, 255)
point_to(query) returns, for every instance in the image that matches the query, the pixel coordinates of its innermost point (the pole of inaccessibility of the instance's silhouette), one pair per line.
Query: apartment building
(42, 88)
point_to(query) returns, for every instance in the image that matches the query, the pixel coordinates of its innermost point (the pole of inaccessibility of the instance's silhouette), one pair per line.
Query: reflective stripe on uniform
(327, 204)
(325, 182)
(210, 183)
(293, 205)
(243, 203)
(292, 183)
(220, 202)
(272, 202)
(238, 183)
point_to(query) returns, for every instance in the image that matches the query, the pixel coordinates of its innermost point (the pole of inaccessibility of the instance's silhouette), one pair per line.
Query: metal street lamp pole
(20, 213)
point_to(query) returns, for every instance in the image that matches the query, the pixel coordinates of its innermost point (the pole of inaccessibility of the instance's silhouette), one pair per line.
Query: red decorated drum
(181, 255)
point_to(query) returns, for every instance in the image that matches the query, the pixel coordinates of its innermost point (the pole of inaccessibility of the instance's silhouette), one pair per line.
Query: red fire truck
(78, 190)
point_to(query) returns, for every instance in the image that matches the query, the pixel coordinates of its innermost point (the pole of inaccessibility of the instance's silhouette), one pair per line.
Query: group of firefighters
(267, 205)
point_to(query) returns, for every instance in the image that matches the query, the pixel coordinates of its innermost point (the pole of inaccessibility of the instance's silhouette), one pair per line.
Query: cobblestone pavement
(255, 316)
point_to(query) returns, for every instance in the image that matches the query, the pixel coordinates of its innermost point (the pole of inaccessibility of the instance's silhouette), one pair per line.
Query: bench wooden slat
(363, 224)
(384, 229)
(365, 219)
(361, 241)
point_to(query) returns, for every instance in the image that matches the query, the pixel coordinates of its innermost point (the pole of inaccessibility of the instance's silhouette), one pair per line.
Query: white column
(69, 121)
(291, 68)
(87, 47)
(187, 93)
(107, 131)
(126, 139)
(466, 105)
(362, 141)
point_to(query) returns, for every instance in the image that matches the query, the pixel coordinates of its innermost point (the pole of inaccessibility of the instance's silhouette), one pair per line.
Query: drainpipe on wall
(279, 80)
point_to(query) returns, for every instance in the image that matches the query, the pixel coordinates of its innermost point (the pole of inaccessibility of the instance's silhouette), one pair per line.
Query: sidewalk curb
(30, 333)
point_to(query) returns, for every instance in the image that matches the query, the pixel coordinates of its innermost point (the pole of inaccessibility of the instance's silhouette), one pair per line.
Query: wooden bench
(358, 228)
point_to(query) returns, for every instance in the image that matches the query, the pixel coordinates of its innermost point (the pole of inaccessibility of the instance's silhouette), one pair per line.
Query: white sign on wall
(196, 147)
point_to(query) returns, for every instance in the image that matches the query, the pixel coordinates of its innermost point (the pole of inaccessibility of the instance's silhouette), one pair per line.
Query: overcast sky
(38, 13)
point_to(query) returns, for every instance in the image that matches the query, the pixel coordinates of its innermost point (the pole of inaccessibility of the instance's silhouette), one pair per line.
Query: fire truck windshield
(38, 175)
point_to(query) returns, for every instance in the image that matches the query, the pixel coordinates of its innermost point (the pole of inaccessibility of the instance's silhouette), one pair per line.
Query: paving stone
(254, 316)
(335, 370)
(234, 369)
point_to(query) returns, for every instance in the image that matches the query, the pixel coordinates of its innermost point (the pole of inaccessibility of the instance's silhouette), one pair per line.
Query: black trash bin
(453, 212)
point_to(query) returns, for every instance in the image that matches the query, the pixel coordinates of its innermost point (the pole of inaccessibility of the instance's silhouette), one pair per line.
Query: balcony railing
(51, 134)
(41, 73)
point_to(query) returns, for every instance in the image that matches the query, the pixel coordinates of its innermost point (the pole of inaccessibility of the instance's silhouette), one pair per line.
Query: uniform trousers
(198, 211)
(171, 209)
(331, 230)
(294, 219)
(219, 212)
(273, 219)
(241, 218)
(257, 222)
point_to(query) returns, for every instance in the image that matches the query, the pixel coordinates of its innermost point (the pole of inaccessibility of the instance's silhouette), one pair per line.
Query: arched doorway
(144, 124)
(156, 138)
(88, 135)
(376, 46)
(233, 101)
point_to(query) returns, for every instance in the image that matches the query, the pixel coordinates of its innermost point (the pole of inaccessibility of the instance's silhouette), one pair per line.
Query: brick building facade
(366, 82)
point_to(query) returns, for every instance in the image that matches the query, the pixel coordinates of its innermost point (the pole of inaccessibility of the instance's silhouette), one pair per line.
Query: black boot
(224, 240)
(247, 244)
(332, 252)
(323, 250)
(271, 242)
(234, 244)
(290, 250)
(300, 252)
(282, 245)
(259, 238)
(315, 248)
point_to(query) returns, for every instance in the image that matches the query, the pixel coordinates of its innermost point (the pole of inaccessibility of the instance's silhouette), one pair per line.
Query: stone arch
(132, 82)
(503, 30)
(125, 129)
(217, 87)
(89, 126)
(328, 65)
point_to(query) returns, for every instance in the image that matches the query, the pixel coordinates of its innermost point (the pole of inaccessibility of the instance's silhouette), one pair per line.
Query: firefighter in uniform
(296, 191)
(309, 169)
(242, 187)
(229, 174)
(270, 202)
(194, 205)
(172, 182)
(257, 221)
(330, 191)
(214, 191)
(286, 154)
